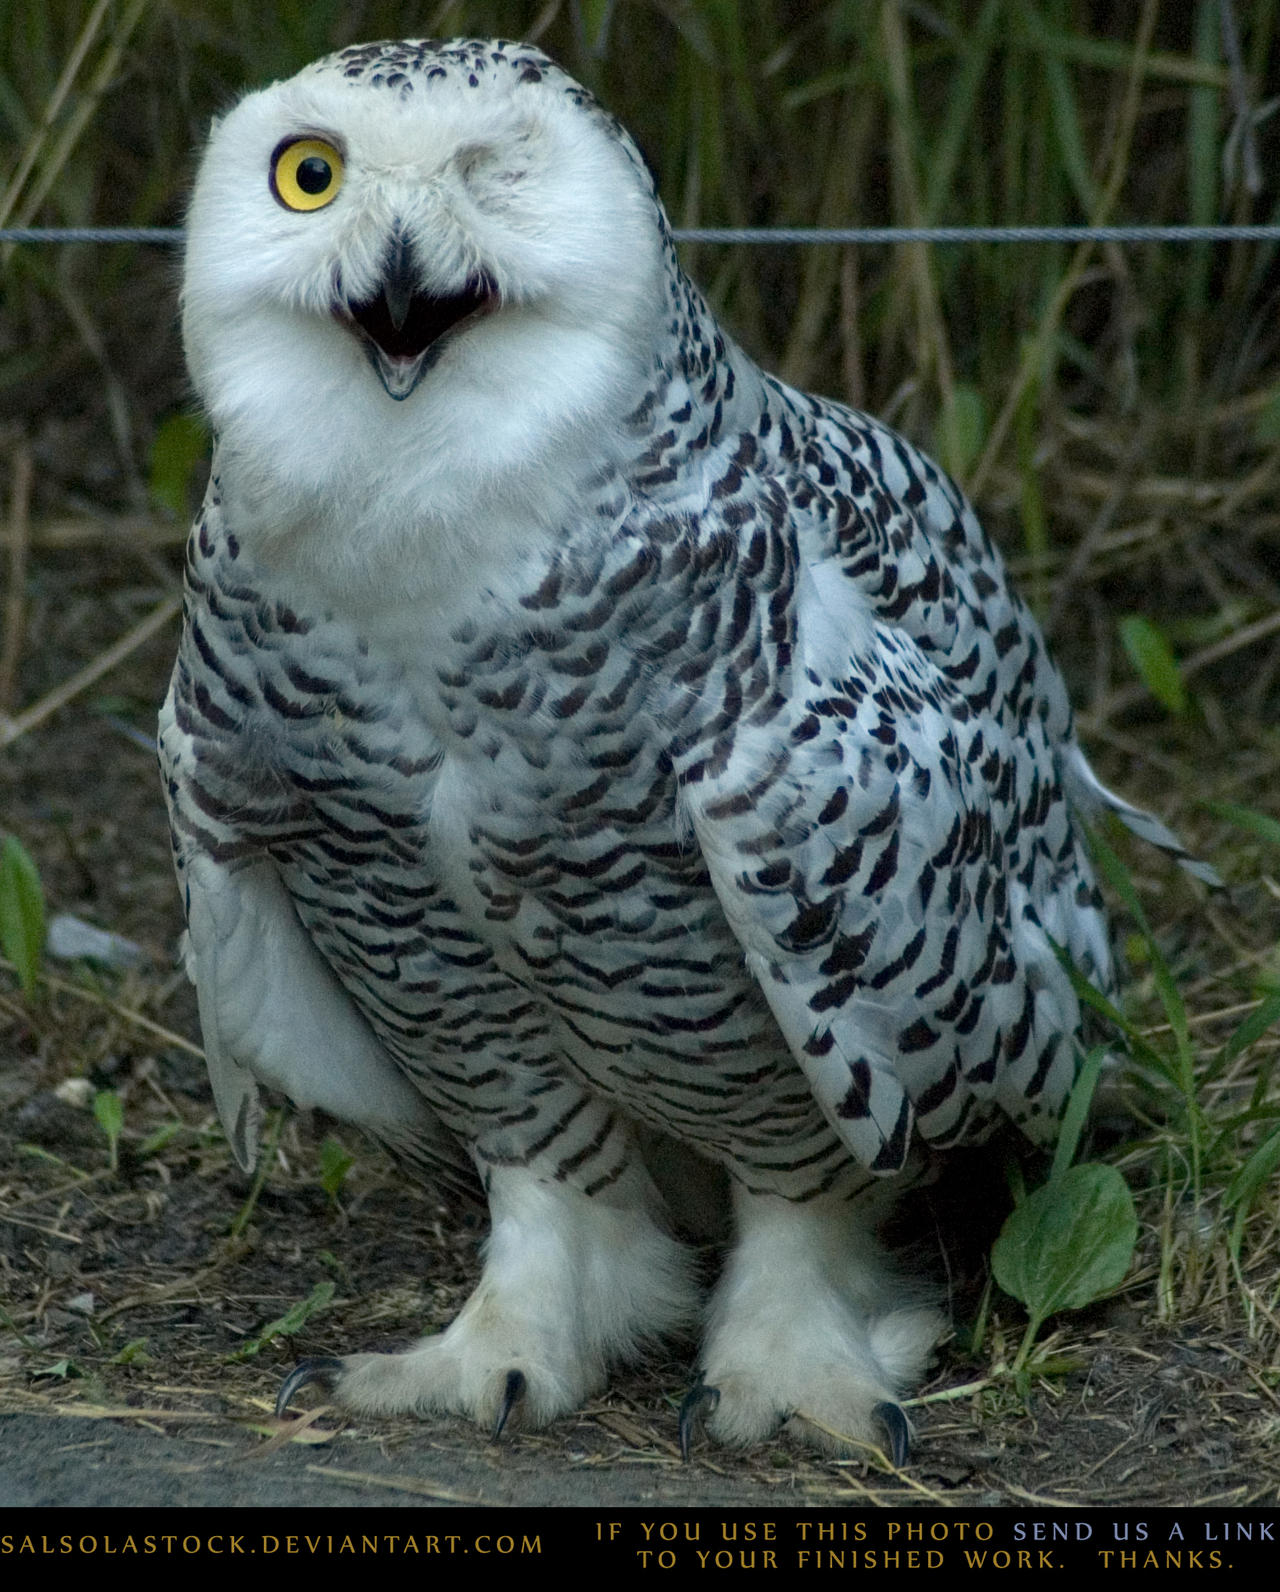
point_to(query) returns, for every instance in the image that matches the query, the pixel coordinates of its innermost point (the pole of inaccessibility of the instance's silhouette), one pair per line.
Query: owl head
(443, 248)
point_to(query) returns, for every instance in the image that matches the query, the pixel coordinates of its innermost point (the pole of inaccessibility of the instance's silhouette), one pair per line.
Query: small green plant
(1065, 1245)
(1152, 656)
(108, 1113)
(155, 1142)
(21, 912)
(335, 1163)
(1261, 1159)
(292, 1321)
(1071, 1241)
(62, 1371)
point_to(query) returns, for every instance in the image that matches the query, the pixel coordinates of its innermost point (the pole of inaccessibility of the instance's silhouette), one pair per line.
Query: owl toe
(322, 1369)
(699, 1402)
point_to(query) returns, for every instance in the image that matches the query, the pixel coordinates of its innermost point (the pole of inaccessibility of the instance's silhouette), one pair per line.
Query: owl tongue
(401, 327)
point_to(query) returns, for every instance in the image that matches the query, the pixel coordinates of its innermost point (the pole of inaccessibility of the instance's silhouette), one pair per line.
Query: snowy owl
(590, 760)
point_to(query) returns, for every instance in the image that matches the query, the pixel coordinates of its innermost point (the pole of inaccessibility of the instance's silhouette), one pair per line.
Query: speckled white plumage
(587, 755)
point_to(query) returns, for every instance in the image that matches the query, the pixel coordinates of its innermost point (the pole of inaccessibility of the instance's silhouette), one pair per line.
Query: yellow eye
(306, 173)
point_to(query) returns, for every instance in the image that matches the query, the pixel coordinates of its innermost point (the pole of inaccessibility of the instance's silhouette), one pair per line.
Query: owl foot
(837, 1408)
(571, 1284)
(468, 1370)
(804, 1336)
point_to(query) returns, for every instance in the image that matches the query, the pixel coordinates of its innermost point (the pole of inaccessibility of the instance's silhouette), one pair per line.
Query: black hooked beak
(402, 327)
(400, 280)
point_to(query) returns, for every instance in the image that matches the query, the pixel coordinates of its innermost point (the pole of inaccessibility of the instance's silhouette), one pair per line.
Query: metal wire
(1170, 234)
(1266, 233)
(169, 235)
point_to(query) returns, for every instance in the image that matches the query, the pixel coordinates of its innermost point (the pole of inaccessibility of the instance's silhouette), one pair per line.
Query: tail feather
(1086, 790)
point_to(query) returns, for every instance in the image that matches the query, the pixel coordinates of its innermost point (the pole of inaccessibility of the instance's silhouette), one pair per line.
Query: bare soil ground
(128, 1367)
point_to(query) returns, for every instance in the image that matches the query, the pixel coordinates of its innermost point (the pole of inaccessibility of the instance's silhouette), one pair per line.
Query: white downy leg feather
(571, 1285)
(809, 1323)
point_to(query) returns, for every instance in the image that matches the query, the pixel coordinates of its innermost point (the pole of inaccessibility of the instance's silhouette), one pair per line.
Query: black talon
(324, 1369)
(898, 1429)
(698, 1402)
(511, 1396)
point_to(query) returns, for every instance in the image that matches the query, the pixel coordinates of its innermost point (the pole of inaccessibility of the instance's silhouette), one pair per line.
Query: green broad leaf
(65, 1370)
(133, 1353)
(108, 1112)
(1068, 1243)
(180, 444)
(962, 430)
(292, 1321)
(335, 1163)
(1260, 824)
(1152, 656)
(21, 912)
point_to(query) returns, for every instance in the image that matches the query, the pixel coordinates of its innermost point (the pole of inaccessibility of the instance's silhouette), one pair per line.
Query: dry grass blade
(98, 1412)
(88, 34)
(408, 1484)
(126, 532)
(932, 331)
(284, 1430)
(162, 614)
(97, 998)
(42, 1227)
(79, 120)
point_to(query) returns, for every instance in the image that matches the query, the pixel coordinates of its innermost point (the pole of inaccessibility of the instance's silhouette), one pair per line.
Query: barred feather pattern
(739, 808)
(596, 952)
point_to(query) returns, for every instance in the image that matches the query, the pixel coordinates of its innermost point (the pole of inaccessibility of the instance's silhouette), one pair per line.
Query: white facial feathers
(507, 229)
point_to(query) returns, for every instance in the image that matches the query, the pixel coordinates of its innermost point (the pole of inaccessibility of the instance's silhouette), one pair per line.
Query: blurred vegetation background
(1114, 409)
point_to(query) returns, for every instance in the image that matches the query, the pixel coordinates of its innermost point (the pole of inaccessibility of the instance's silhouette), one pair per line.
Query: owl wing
(894, 868)
(894, 850)
(271, 1009)
(273, 1012)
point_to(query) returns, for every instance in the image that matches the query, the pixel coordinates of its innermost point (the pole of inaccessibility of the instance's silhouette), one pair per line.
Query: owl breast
(499, 877)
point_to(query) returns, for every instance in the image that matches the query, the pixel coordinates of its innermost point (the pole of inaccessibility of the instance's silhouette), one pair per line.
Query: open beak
(402, 328)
